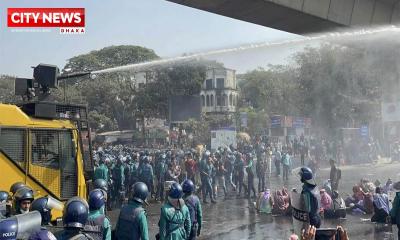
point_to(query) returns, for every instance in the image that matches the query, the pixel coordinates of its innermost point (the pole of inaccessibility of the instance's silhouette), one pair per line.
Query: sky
(167, 28)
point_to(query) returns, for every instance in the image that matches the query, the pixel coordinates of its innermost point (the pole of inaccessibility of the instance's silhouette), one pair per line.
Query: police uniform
(42, 234)
(175, 224)
(310, 194)
(100, 225)
(73, 234)
(132, 222)
(196, 214)
(101, 172)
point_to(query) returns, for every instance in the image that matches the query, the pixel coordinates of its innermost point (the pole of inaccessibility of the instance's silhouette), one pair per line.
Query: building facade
(219, 92)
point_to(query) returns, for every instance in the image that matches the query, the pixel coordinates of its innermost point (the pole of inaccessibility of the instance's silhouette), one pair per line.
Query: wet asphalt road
(235, 218)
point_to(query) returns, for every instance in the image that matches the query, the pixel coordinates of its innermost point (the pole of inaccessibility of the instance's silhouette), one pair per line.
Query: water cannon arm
(72, 75)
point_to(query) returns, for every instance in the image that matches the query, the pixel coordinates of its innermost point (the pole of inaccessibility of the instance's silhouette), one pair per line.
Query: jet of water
(319, 37)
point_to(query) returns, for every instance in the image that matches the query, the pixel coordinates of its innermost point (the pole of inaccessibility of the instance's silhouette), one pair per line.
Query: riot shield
(20, 226)
(300, 215)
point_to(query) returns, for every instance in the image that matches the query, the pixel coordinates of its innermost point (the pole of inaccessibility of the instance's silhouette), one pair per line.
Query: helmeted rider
(132, 220)
(97, 222)
(41, 205)
(194, 206)
(175, 223)
(75, 215)
(310, 195)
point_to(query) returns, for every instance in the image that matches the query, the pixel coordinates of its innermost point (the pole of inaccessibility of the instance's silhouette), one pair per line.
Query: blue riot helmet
(97, 199)
(188, 186)
(23, 197)
(101, 184)
(16, 186)
(139, 192)
(76, 212)
(20, 226)
(175, 191)
(307, 176)
(163, 156)
(4, 196)
(44, 205)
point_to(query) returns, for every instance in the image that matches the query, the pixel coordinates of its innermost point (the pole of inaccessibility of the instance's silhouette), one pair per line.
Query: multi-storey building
(219, 91)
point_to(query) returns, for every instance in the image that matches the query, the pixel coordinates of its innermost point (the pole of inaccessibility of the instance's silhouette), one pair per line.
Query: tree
(7, 89)
(109, 95)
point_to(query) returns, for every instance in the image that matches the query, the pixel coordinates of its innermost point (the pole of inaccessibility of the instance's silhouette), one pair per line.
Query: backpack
(191, 204)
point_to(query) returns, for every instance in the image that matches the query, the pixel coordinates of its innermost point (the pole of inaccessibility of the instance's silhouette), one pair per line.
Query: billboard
(276, 121)
(182, 108)
(391, 111)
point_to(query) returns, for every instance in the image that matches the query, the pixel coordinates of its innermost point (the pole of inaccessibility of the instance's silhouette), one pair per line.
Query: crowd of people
(129, 179)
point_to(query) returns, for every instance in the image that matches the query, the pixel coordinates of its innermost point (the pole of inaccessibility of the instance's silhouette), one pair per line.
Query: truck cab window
(45, 148)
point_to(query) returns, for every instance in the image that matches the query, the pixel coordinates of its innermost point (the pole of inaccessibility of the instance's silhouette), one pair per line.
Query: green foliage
(108, 57)
(109, 96)
(7, 89)
(334, 85)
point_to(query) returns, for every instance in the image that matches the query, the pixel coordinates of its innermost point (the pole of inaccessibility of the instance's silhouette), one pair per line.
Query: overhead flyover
(304, 16)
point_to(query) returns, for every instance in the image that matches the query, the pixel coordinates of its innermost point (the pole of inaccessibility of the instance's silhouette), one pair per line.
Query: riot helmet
(3, 196)
(16, 186)
(97, 199)
(41, 206)
(76, 212)
(175, 191)
(307, 176)
(23, 199)
(101, 184)
(139, 192)
(188, 186)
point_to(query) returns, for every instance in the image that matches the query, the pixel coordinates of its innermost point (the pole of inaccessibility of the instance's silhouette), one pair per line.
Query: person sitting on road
(265, 202)
(388, 186)
(281, 202)
(326, 200)
(381, 206)
(338, 209)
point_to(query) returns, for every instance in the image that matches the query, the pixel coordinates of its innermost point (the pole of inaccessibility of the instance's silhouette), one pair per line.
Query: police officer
(206, 171)
(132, 220)
(239, 173)
(250, 175)
(161, 170)
(310, 195)
(175, 223)
(101, 172)
(16, 186)
(20, 226)
(194, 206)
(118, 180)
(97, 222)
(146, 173)
(103, 185)
(41, 205)
(75, 215)
(23, 199)
(5, 205)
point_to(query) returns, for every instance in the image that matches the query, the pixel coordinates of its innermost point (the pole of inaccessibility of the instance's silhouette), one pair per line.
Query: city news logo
(69, 20)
